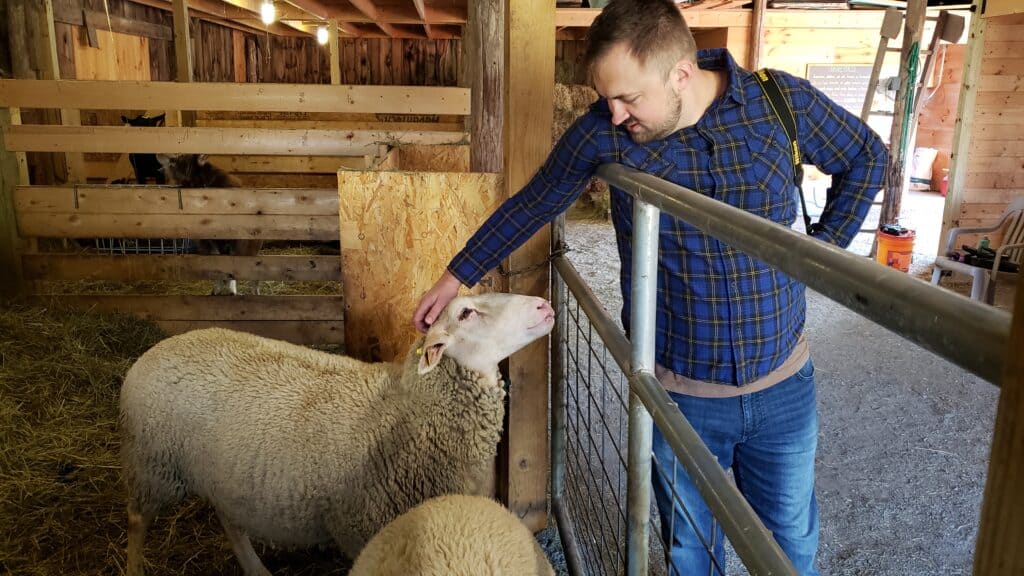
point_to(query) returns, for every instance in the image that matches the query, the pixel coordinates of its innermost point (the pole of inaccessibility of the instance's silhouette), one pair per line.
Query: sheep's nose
(545, 306)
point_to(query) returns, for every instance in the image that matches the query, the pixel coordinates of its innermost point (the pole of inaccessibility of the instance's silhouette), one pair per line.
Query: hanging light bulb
(321, 34)
(267, 12)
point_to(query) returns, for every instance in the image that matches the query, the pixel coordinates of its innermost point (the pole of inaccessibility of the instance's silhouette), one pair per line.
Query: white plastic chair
(983, 283)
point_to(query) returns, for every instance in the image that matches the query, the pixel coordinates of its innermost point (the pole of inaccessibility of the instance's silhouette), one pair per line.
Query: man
(730, 346)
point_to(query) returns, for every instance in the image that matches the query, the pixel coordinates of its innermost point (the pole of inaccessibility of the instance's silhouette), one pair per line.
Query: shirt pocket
(771, 167)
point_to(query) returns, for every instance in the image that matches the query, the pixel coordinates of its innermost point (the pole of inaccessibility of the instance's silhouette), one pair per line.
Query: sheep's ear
(202, 159)
(432, 351)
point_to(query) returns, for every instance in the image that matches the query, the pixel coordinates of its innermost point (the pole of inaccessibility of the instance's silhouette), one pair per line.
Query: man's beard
(666, 127)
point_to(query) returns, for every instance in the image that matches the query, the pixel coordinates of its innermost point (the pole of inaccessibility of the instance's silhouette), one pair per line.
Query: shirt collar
(721, 59)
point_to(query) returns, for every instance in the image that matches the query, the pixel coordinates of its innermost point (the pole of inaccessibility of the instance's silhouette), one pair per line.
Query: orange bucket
(895, 247)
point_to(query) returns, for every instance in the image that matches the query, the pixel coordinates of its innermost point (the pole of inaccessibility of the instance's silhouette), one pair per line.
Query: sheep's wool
(299, 447)
(454, 534)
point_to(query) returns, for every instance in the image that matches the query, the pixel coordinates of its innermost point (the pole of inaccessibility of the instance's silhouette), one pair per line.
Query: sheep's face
(479, 331)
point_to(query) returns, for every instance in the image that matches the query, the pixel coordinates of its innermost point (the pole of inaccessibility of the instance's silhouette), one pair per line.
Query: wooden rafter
(423, 15)
(227, 15)
(370, 10)
(314, 8)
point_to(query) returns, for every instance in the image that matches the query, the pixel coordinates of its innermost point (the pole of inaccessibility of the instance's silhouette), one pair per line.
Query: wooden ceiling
(434, 19)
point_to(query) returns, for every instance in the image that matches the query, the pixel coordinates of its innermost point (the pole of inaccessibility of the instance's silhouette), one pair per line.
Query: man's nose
(619, 114)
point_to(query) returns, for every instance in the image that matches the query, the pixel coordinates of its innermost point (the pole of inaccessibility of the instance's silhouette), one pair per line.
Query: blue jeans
(769, 439)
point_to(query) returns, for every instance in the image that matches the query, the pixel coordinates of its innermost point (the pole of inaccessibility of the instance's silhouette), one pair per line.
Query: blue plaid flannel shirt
(722, 316)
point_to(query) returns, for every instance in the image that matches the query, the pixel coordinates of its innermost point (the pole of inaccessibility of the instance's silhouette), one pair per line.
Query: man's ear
(683, 72)
(432, 350)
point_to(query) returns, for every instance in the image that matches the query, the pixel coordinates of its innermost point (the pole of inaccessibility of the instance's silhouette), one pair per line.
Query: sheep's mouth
(548, 318)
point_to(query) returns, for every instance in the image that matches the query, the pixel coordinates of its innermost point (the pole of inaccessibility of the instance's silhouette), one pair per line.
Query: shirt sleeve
(551, 191)
(840, 144)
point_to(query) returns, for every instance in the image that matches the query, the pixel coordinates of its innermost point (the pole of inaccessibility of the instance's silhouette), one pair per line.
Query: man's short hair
(653, 30)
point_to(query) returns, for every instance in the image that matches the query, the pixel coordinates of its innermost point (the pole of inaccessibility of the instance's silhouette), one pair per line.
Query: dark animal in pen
(146, 166)
(195, 171)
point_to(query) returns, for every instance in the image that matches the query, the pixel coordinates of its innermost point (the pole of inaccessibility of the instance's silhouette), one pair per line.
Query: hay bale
(63, 503)
(571, 102)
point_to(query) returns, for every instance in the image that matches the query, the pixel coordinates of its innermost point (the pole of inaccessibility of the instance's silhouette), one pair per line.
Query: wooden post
(335, 47)
(1001, 530)
(529, 94)
(757, 35)
(484, 61)
(964, 127)
(900, 135)
(183, 55)
(50, 70)
(10, 244)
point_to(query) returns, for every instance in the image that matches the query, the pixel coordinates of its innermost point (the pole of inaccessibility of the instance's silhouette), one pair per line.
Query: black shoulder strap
(784, 113)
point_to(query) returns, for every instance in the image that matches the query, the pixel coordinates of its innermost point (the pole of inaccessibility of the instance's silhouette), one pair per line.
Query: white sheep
(454, 535)
(297, 447)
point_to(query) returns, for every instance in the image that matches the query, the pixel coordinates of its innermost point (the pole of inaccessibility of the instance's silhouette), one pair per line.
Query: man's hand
(435, 300)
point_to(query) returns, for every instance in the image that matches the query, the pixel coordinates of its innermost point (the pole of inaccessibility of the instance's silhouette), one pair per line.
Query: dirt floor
(904, 435)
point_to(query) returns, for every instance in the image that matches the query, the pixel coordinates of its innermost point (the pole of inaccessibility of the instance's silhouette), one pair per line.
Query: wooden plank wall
(995, 164)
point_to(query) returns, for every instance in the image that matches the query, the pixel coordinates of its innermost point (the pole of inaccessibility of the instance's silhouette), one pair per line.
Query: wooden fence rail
(175, 140)
(172, 268)
(139, 95)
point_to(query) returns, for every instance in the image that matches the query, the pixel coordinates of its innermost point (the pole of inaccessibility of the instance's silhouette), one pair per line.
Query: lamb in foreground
(454, 534)
(297, 447)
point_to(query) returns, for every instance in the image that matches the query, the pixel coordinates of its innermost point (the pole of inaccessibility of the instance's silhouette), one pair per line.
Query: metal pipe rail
(753, 542)
(966, 332)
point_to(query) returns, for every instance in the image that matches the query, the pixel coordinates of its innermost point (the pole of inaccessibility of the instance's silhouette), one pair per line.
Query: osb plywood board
(398, 232)
(119, 57)
(434, 158)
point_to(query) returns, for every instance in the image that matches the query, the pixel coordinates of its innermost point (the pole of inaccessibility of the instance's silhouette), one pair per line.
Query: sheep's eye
(465, 313)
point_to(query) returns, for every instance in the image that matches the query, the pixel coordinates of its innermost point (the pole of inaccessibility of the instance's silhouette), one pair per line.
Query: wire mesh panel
(125, 246)
(596, 419)
(596, 399)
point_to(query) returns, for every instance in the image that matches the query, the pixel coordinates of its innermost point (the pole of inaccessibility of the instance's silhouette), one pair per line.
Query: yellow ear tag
(419, 351)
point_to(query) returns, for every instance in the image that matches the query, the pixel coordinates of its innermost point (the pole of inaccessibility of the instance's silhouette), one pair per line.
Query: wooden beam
(68, 14)
(288, 164)
(10, 244)
(696, 18)
(226, 15)
(421, 10)
(176, 140)
(228, 96)
(529, 94)
(963, 131)
(368, 8)
(1001, 530)
(485, 67)
(757, 35)
(238, 61)
(74, 163)
(183, 63)
(112, 199)
(314, 8)
(136, 268)
(216, 227)
(235, 308)
(303, 332)
(334, 45)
